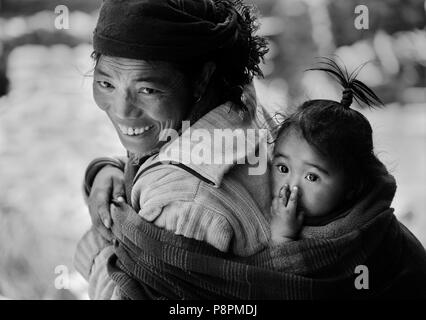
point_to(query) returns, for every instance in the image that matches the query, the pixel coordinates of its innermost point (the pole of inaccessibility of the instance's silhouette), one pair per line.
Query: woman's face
(296, 163)
(141, 98)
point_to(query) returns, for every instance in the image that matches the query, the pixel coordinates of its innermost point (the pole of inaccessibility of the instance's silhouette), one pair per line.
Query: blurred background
(50, 128)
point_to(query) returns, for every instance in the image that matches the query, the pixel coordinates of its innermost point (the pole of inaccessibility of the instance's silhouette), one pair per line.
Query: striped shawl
(152, 263)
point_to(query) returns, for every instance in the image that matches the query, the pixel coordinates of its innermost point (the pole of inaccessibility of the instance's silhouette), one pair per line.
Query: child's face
(296, 163)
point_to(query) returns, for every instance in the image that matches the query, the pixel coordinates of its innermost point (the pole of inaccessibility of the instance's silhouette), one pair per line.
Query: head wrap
(170, 30)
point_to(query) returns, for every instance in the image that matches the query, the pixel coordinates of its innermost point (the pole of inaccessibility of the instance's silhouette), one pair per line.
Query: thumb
(120, 208)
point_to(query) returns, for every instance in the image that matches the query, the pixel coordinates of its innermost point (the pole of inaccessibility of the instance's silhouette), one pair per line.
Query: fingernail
(106, 223)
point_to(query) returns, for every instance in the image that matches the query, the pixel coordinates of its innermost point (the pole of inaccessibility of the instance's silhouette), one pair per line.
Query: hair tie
(353, 88)
(347, 98)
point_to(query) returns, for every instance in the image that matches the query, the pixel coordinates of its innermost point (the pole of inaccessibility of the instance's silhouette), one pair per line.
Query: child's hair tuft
(339, 133)
(352, 88)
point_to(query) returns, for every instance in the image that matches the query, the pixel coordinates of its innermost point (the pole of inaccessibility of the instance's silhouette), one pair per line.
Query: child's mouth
(300, 207)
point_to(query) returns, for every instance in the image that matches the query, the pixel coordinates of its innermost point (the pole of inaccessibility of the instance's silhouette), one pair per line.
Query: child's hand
(286, 222)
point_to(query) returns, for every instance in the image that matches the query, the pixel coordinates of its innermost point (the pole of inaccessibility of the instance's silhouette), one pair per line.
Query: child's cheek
(313, 202)
(276, 182)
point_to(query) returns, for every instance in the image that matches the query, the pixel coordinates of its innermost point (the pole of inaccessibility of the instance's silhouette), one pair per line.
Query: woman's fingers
(106, 233)
(99, 206)
(118, 209)
(108, 186)
(118, 192)
(98, 211)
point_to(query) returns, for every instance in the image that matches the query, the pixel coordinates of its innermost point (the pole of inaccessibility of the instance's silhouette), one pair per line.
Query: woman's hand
(108, 187)
(286, 221)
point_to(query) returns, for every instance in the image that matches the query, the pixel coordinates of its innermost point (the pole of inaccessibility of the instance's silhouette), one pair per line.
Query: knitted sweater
(153, 263)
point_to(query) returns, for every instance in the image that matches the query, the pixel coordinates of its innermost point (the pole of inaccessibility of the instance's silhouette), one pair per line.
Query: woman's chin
(137, 146)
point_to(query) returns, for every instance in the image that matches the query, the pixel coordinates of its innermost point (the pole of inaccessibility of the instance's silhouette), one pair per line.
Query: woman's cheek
(167, 111)
(100, 99)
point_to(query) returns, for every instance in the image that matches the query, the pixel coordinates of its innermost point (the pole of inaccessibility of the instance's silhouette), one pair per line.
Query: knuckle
(102, 215)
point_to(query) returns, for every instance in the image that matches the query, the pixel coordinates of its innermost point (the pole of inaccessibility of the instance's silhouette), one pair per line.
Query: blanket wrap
(152, 263)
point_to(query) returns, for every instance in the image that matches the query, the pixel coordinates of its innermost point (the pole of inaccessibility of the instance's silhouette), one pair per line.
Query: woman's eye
(105, 84)
(281, 168)
(312, 177)
(147, 91)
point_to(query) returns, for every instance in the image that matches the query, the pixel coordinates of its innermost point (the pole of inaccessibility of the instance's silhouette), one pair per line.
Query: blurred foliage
(389, 16)
(50, 128)
(395, 42)
(10, 8)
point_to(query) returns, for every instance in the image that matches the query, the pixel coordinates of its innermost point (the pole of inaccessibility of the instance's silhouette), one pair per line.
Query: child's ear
(355, 191)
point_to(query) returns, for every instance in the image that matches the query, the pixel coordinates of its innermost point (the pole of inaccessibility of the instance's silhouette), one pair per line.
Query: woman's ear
(202, 81)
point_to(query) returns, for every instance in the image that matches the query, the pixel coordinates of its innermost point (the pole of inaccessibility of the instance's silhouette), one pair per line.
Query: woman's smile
(141, 99)
(134, 131)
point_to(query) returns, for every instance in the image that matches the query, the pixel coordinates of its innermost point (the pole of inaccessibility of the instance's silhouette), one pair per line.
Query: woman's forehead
(138, 70)
(126, 65)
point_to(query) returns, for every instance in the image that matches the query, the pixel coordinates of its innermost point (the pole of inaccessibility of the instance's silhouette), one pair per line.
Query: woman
(199, 229)
(159, 63)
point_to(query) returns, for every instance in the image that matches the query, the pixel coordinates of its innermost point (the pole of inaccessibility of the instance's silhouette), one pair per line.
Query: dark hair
(341, 134)
(236, 66)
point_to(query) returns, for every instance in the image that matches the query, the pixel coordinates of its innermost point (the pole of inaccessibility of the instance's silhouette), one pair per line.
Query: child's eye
(312, 177)
(105, 84)
(282, 168)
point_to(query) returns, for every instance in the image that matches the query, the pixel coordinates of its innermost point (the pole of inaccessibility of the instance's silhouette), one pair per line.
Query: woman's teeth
(129, 131)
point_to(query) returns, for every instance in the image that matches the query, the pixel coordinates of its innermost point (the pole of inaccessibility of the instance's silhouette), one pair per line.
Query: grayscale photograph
(220, 150)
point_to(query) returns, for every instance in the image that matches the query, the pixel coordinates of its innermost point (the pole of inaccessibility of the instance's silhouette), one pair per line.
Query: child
(326, 151)
(323, 159)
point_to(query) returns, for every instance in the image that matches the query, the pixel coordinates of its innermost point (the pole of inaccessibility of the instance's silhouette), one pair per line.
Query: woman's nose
(125, 107)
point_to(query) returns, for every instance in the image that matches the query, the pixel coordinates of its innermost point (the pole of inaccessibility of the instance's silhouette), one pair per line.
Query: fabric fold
(149, 259)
